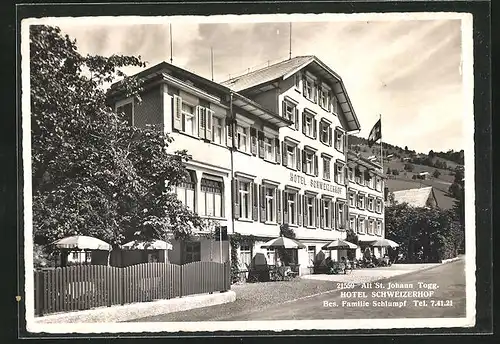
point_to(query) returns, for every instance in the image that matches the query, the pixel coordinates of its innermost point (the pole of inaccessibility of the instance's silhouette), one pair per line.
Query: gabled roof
(415, 197)
(285, 69)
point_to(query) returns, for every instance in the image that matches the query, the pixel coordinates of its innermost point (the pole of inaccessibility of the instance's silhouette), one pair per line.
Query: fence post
(181, 278)
(39, 290)
(122, 284)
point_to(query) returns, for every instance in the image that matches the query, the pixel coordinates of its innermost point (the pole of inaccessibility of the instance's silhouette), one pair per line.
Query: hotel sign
(316, 184)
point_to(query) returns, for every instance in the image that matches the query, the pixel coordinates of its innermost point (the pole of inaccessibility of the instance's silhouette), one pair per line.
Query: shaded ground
(277, 300)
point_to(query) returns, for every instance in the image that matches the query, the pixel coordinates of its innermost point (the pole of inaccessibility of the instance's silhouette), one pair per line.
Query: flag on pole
(375, 133)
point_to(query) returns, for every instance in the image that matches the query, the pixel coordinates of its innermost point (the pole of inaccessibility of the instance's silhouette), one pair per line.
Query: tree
(432, 232)
(286, 256)
(436, 173)
(94, 174)
(395, 171)
(406, 148)
(431, 154)
(409, 167)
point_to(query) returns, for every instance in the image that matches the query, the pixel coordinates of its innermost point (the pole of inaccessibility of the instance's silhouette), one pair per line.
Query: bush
(409, 167)
(436, 174)
(395, 172)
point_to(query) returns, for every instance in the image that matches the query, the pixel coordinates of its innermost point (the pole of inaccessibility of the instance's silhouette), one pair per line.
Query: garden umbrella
(340, 245)
(147, 245)
(383, 243)
(82, 242)
(283, 242)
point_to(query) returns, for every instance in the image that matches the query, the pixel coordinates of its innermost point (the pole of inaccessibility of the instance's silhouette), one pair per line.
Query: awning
(147, 245)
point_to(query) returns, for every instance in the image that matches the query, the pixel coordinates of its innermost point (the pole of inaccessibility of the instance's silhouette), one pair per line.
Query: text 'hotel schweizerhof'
(268, 148)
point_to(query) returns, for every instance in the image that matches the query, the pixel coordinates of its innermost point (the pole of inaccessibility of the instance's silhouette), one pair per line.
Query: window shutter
(263, 213)
(285, 207)
(316, 171)
(229, 127)
(210, 116)
(296, 110)
(278, 205)
(303, 122)
(322, 217)
(253, 140)
(177, 112)
(202, 121)
(333, 215)
(316, 209)
(283, 109)
(285, 154)
(346, 175)
(315, 128)
(236, 198)
(330, 132)
(335, 173)
(277, 146)
(255, 202)
(330, 211)
(304, 85)
(344, 220)
(299, 209)
(304, 162)
(297, 153)
(261, 144)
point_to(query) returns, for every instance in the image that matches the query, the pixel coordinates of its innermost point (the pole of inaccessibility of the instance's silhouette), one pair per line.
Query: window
(290, 156)
(361, 201)
(361, 225)
(352, 199)
(289, 112)
(308, 162)
(218, 130)
(245, 255)
(351, 173)
(371, 227)
(270, 203)
(245, 200)
(186, 191)
(311, 253)
(378, 184)
(324, 99)
(211, 197)
(339, 140)
(291, 200)
(370, 204)
(310, 211)
(339, 173)
(242, 139)
(308, 125)
(271, 256)
(379, 228)
(325, 133)
(340, 216)
(188, 119)
(192, 252)
(309, 89)
(269, 149)
(127, 110)
(379, 206)
(297, 78)
(357, 175)
(352, 223)
(326, 212)
(335, 105)
(326, 168)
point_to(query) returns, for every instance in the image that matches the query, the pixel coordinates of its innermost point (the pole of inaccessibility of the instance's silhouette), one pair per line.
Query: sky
(407, 71)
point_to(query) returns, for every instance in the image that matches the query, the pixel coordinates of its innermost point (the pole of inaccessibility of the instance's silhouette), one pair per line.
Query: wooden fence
(89, 286)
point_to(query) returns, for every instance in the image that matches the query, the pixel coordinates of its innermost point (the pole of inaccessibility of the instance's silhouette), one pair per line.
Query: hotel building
(366, 201)
(268, 148)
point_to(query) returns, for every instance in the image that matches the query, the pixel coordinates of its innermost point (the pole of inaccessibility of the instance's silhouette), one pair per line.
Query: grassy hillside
(395, 158)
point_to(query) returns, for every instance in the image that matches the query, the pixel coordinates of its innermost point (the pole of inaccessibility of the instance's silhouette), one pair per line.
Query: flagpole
(381, 146)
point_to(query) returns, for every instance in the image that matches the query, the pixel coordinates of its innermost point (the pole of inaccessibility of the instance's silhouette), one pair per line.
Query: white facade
(366, 201)
(259, 160)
